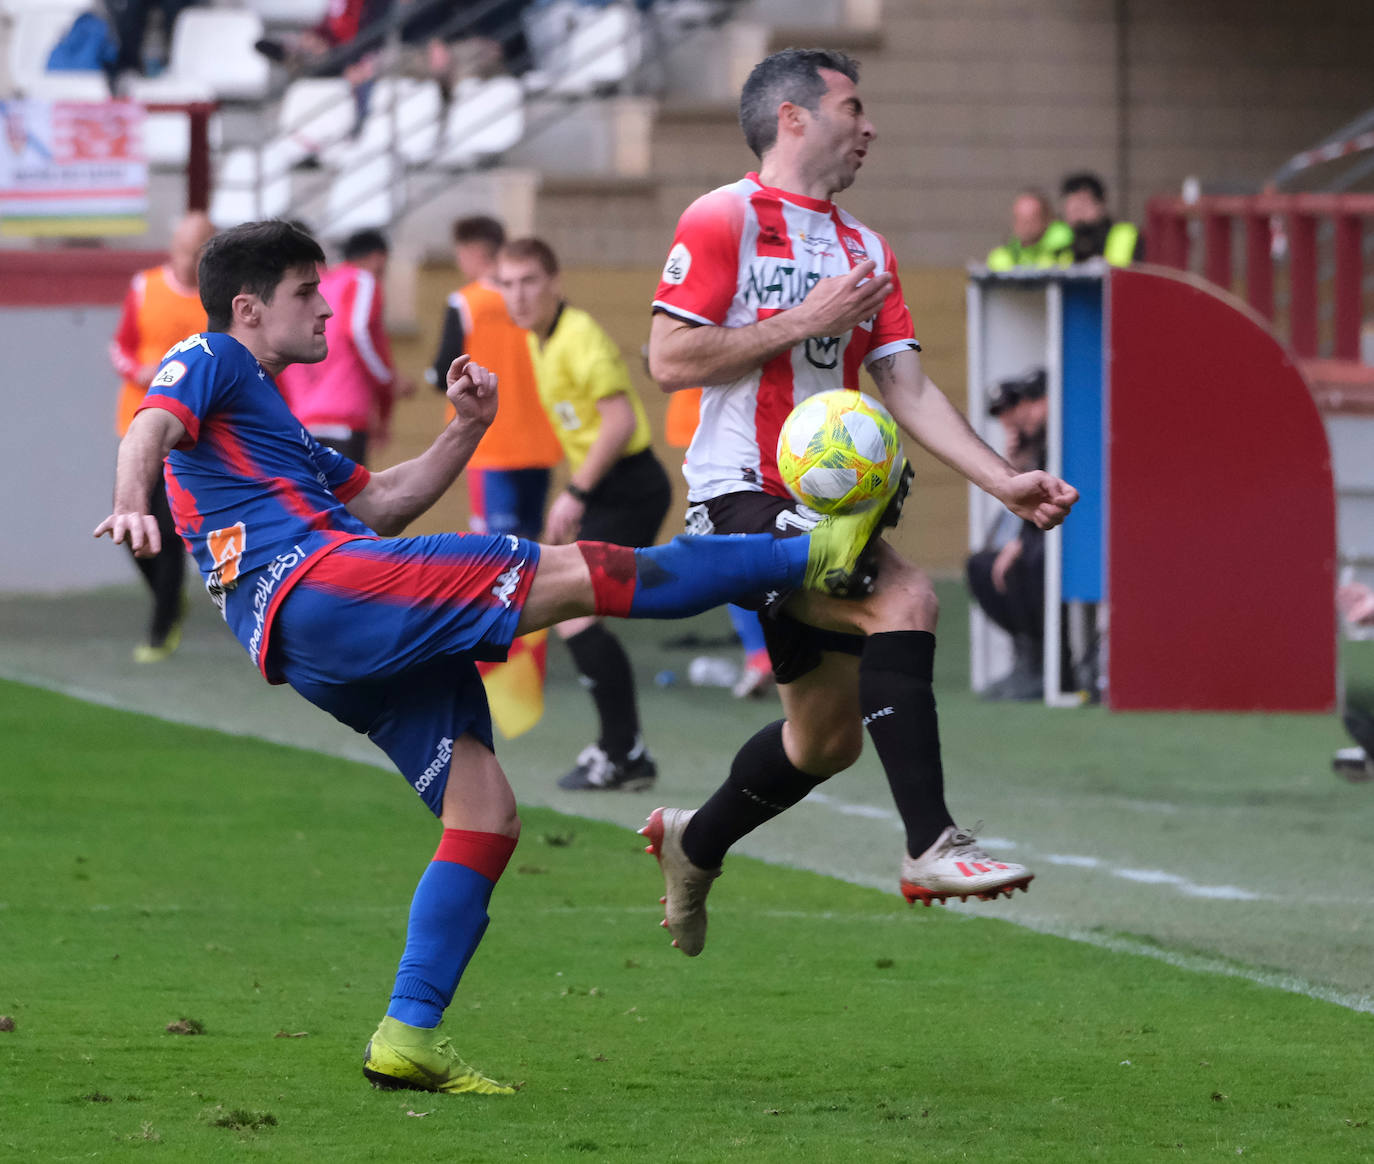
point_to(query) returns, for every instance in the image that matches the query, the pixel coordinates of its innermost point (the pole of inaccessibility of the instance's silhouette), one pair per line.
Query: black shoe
(595, 770)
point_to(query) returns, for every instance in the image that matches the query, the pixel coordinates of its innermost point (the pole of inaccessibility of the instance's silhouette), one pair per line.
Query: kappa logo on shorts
(507, 582)
(678, 264)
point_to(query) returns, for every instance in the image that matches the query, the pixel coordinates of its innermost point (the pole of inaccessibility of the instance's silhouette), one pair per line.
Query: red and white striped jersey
(744, 252)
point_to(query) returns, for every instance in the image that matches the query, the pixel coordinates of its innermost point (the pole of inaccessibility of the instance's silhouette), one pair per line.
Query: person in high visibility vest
(1083, 205)
(1037, 237)
(161, 308)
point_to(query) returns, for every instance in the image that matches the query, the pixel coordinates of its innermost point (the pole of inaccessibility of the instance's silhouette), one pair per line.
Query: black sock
(898, 707)
(762, 783)
(605, 670)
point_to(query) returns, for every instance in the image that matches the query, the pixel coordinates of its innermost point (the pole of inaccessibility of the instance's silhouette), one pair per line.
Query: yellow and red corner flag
(515, 688)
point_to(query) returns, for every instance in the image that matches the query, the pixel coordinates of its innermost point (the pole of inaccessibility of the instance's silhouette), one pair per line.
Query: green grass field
(152, 873)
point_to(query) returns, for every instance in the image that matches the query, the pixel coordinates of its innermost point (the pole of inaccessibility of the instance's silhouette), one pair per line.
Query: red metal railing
(1169, 241)
(198, 155)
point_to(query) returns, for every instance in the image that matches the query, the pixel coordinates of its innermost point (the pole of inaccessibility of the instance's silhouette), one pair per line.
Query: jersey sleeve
(345, 478)
(452, 344)
(124, 346)
(190, 384)
(893, 330)
(604, 373)
(701, 274)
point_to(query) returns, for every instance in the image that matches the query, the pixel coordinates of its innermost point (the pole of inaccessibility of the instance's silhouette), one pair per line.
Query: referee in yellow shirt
(618, 490)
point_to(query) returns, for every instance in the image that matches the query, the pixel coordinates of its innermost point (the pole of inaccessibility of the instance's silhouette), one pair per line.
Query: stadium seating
(485, 119)
(315, 119)
(33, 33)
(361, 195)
(407, 113)
(239, 194)
(601, 51)
(302, 13)
(212, 55)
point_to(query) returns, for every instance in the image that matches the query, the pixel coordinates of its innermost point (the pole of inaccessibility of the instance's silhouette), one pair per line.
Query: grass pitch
(152, 874)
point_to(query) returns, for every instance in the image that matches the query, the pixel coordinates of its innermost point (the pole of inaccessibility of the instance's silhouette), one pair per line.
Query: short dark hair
(532, 248)
(362, 243)
(479, 228)
(250, 258)
(1083, 180)
(788, 75)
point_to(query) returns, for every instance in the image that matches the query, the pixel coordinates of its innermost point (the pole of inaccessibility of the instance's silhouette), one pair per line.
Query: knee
(904, 599)
(824, 754)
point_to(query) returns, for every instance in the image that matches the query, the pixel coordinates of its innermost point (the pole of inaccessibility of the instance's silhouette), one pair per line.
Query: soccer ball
(837, 450)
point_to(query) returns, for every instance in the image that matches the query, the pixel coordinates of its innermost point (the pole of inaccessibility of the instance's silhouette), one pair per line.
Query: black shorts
(629, 503)
(794, 648)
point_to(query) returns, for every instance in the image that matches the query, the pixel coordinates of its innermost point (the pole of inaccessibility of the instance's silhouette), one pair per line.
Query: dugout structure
(1204, 546)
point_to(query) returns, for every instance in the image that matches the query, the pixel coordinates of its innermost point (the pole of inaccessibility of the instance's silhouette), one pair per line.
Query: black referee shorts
(629, 503)
(794, 648)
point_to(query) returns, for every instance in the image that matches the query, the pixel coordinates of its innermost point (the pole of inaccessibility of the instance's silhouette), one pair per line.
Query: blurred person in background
(1008, 577)
(130, 21)
(161, 308)
(756, 676)
(1355, 601)
(1083, 205)
(345, 401)
(617, 490)
(1037, 237)
(508, 475)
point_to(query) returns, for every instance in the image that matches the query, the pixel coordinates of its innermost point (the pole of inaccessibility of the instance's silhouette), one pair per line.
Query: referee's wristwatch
(576, 492)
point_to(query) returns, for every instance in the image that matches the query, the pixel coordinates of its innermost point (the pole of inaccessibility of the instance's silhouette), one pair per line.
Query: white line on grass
(1291, 984)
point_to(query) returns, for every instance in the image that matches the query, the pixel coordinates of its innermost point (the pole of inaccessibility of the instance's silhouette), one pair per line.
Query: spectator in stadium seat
(325, 49)
(508, 476)
(1008, 577)
(1037, 236)
(1355, 601)
(130, 21)
(345, 401)
(1083, 205)
(161, 308)
(617, 490)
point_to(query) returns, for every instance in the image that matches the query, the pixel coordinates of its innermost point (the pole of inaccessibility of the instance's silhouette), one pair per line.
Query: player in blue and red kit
(383, 632)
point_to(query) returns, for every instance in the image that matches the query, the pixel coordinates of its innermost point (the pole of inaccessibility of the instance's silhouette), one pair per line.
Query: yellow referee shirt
(575, 367)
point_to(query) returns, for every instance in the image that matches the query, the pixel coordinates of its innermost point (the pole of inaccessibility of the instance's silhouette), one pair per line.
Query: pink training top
(351, 388)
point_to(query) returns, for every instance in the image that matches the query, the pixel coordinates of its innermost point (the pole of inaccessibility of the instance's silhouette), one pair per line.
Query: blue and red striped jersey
(255, 497)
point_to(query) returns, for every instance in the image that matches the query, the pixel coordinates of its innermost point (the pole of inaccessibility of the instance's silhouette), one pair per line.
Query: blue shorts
(508, 500)
(384, 635)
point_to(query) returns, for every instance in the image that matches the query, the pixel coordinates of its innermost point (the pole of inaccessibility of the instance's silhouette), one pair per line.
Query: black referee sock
(762, 783)
(898, 706)
(605, 671)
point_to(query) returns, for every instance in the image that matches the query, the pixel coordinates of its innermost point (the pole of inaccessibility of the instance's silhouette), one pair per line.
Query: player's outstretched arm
(684, 355)
(926, 414)
(395, 497)
(152, 434)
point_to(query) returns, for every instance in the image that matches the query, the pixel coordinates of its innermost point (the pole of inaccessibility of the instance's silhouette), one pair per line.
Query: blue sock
(749, 629)
(448, 917)
(692, 574)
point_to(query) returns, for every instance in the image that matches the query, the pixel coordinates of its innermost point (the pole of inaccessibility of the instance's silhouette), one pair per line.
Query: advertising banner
(72, 168)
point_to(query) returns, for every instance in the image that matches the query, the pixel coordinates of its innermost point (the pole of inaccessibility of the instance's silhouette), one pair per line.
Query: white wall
(57, 401)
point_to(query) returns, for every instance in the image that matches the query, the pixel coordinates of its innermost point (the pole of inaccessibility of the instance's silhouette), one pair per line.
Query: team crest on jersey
(168, 374)
(189, 343)
(678, 264)
(855, 250)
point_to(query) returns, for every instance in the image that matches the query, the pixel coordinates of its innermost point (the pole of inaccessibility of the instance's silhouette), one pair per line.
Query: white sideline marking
(1291, 984)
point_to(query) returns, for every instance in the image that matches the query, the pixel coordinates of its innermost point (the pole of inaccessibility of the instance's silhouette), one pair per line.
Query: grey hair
(788, 75)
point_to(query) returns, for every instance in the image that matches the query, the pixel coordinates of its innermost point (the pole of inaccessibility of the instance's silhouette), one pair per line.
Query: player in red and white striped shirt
(770, 294)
